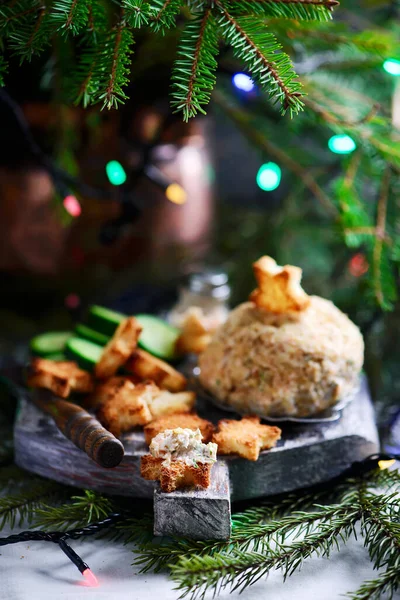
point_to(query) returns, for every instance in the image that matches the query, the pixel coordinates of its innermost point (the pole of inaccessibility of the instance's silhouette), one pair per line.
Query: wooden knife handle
(83, 430)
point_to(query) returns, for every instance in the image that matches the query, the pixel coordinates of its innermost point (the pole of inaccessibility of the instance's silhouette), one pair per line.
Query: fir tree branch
(83, 510)
(195, 575)
(32, 36)
(380, 529)
(194, 70)
(328, 117)
(18, 12)
(164, 14)
(243, 122)
(381, 588)
(111, 70)
(20, 508)
(70, 16)
(260, 51)
(378, 258)
(138, 12)
(304, 10)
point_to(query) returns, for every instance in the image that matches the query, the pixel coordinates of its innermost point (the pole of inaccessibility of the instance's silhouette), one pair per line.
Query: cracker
(194, 337)
(279, 289)
(184, 420)
(246, 437)
(168, 403)
(119, 348)
(107, 389)
(176, 475)
(127, 408)
(61, 377)
(147, 366)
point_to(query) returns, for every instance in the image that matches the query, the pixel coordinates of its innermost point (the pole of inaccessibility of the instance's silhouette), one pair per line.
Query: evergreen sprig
(194, 69)
(105, 39)
(80, 511)
(20, 508)
(260, 50)
(70, 16)
(164, 13)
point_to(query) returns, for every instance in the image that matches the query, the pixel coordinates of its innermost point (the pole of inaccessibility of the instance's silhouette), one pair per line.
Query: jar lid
(208, 282)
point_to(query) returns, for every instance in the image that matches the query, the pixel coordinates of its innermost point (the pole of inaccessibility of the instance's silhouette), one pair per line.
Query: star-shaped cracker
(176, 475)
(279, 289)
(246, 437)
(195, 336)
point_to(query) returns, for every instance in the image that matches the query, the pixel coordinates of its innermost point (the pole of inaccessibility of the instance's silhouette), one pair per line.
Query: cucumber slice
(90, 334)
(104, 320)
(49, 343)
(56, 356)
(85, 353)
(158, 337)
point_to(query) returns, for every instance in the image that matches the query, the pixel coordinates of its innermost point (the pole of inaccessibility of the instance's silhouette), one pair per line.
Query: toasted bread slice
(176, 475)
(279, 289)
(246, 437)
(61, 377)
(147, 366)
(128, 408)
(107, 389)
(119, 348)
(167, 403)
(184, 420)
(194, 337)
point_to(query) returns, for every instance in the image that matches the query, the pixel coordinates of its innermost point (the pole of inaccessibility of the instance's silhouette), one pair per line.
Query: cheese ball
(283, 364)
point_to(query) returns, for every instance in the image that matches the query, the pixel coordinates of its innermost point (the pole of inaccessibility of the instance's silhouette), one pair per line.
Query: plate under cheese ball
(329, 415)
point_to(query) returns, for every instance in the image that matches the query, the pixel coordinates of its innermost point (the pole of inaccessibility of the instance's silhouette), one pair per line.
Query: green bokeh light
(392, 66)
(268, 176)
(341, 144)
(115, 172)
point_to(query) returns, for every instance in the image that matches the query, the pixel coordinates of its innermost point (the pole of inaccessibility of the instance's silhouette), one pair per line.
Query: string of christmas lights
(64, 182)
(61, 537)
(269, 174)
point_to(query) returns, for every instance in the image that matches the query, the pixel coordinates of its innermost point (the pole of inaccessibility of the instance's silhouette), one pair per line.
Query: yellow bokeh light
(385, 464)
(176, 194)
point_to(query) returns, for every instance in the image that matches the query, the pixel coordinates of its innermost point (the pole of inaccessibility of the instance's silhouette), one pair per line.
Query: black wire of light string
(64, 179)
(61, 537)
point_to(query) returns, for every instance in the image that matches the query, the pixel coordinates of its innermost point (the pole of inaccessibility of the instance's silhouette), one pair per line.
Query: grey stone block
(196, 514)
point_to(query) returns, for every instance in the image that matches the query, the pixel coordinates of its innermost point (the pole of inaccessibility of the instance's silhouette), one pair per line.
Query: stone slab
(306, 454)
(196, 514)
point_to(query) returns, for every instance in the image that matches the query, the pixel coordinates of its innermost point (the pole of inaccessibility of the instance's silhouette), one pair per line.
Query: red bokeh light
(358, 265)
(72, 206)
(72, 301)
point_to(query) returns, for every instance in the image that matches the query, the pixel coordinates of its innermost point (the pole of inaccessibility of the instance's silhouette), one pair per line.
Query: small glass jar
(207, 290)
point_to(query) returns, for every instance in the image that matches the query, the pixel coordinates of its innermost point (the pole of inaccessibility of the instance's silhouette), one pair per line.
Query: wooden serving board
(306, 455)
